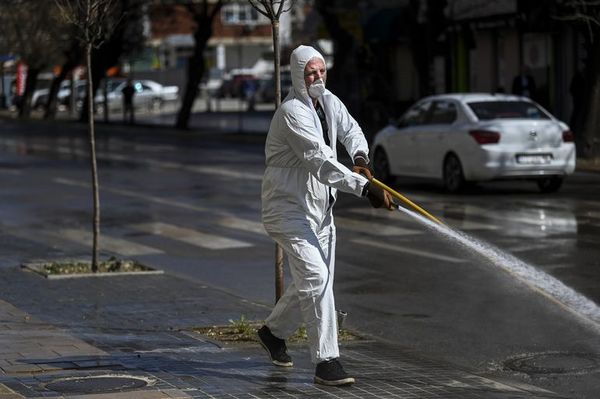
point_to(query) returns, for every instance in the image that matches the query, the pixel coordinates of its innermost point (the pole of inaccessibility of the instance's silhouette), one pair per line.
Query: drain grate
(554, 363)
(97, 384)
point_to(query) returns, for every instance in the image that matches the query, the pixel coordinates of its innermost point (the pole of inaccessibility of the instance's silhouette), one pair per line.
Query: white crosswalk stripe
(236, 223)
(412, 251)
(112, 156)
(375, 228)
(189, 236)
(112, 244)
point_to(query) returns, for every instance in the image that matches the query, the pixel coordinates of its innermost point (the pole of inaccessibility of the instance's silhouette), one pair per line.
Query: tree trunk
(96, 217)
(195, 68)
(279, 281)
(343, 77)
(73, 59)
(195, 71)
(277, 61)
(50, 106)
(98, 72)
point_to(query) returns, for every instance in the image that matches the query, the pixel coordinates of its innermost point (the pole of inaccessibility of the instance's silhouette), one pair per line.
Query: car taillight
(485, 136)
(568, 136)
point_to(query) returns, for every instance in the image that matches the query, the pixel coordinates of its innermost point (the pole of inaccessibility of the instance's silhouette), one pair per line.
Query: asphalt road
(190, 205)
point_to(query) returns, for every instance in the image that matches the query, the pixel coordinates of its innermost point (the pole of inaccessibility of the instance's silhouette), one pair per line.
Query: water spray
(539, 281)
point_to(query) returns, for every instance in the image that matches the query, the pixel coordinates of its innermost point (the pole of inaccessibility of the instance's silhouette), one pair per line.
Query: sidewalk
(141, 327)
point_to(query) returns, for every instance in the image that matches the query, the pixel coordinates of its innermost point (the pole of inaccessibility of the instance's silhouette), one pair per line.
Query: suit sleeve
(308, 145)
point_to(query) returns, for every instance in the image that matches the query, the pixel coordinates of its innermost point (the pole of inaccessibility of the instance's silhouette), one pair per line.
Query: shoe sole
(334, 383)
(275, 362)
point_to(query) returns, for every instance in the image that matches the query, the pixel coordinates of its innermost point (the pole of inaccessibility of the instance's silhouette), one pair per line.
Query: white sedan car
(148, 95)
(462, 138)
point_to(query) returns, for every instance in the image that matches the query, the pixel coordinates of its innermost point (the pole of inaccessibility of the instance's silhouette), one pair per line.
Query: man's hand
(377, 196)
(380, 198)
(361, 170)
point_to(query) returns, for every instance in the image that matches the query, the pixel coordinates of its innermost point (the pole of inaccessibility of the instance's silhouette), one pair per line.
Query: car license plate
(534, 159)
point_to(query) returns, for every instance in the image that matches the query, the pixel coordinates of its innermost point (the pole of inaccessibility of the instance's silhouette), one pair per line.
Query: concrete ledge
(38, 267)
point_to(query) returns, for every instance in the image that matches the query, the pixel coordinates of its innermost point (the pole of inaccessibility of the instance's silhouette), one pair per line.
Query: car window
(113, 85)
(486, 110)
(415, 115)
(442, 112)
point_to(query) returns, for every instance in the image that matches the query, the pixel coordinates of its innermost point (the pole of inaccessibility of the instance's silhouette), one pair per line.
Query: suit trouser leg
(309, 298)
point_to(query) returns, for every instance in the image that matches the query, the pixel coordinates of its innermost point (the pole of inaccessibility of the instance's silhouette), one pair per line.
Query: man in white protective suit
(299, 188)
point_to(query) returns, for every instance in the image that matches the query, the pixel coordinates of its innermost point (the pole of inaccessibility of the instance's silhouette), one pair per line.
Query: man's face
(314, 70)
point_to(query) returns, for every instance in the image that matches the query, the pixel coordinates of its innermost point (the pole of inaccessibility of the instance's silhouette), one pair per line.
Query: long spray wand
(405, 200)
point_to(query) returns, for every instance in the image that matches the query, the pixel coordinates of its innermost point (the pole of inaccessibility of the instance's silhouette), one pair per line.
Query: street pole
(272, 9)
(279, 278)
(241, 91)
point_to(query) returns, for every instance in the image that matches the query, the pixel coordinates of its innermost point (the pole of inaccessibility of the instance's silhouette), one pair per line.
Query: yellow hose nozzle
(402, 198)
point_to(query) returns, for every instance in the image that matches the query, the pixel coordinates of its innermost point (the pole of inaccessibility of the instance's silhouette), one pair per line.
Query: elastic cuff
(362, 156)
(365, 190)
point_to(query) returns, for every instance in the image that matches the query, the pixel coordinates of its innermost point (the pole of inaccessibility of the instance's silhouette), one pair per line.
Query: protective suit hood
(298, 60)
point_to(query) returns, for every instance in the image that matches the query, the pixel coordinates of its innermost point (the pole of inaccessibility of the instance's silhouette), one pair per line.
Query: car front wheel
(549, 184)
(454, 179)
(381, 167)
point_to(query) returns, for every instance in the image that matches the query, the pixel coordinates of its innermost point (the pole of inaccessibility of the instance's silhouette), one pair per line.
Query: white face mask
(316, 89)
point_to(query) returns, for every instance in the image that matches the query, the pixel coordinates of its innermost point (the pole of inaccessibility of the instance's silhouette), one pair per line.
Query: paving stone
(7, 393)
(21, 368)
(141, 327)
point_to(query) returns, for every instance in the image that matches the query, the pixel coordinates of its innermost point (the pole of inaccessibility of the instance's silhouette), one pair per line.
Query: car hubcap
(453, 173)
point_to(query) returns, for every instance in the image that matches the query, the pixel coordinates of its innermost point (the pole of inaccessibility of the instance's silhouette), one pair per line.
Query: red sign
(21, 76)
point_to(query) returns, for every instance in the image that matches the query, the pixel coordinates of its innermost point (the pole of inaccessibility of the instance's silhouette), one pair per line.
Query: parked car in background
(233, 86)
(212, 82)
(149, 95)
(39, 97)
(461, 138)
(63, 97)
(266, 88)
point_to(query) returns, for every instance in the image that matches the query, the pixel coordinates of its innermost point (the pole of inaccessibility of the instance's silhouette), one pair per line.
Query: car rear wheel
(381, 167)
(549, 184)
(454, 179)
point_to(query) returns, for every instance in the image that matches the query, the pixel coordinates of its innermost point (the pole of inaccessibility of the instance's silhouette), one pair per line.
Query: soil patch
(245, 331)
(81, 268)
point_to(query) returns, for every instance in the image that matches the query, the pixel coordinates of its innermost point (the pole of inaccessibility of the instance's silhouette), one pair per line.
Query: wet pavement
(142, 326)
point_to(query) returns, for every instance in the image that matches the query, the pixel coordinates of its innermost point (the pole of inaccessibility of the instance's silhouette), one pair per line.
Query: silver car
(462, 138)
(148, 95)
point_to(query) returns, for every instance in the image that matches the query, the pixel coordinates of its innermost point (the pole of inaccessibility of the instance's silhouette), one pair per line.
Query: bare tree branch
(281, 8)
(579, 17)
(89, 17)
(264, 11)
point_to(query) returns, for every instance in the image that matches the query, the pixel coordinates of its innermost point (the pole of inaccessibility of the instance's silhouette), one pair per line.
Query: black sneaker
(275, 347)
(332, 373)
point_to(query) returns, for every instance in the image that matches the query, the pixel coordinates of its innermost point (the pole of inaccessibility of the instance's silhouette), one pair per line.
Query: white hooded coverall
(299, 187)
